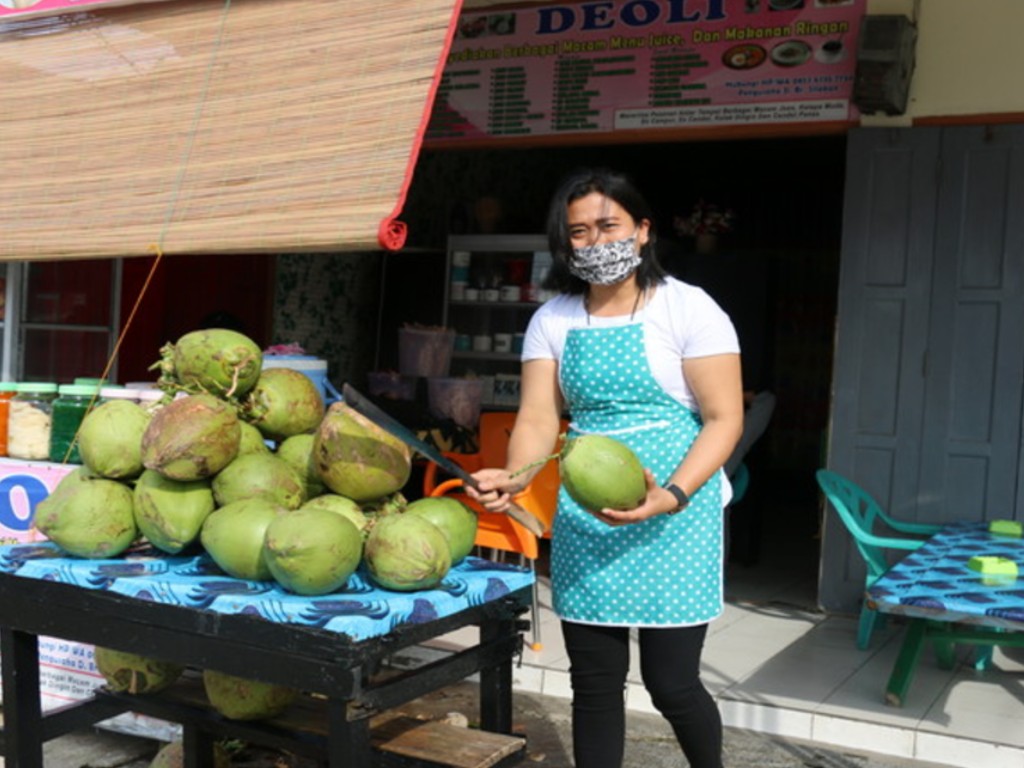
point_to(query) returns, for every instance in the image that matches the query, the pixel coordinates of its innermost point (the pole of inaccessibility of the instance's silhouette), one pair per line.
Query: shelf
(501, 304)
(498, 243)
(470, 355)
(482, 258)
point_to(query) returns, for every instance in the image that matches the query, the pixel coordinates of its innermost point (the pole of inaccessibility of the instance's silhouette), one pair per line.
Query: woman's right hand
(496, 489)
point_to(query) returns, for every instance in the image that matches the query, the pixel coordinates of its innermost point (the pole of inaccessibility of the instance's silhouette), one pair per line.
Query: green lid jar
(69, 409)
(30, 421)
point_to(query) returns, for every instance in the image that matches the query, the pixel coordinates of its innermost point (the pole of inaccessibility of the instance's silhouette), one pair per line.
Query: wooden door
(881, 335)
(970, 445)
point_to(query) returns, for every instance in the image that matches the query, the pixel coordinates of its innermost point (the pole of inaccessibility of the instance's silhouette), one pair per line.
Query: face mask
(605, 263)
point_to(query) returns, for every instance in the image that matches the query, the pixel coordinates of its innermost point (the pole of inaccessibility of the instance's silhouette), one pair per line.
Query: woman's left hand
(657, 502)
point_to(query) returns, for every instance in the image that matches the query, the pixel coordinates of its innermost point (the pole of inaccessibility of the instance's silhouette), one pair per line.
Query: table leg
(23, 718)
(496, 682)
(945, 649)
(348, 741)
(903, 671)
(197, 747)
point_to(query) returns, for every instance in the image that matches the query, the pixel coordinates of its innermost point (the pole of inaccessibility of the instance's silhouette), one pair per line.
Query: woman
(653, 362)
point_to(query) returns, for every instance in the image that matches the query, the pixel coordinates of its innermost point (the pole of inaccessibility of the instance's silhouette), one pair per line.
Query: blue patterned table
(947, 602)
(184, 609)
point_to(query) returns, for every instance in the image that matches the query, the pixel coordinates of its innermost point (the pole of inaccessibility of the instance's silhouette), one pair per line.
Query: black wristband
(681, 498)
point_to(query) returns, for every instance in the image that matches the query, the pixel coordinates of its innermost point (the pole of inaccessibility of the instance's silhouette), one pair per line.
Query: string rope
(120, 339)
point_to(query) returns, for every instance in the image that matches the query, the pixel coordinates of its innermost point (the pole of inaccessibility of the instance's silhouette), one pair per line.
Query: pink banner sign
(614, 65)
(19, 8)
(23, 484)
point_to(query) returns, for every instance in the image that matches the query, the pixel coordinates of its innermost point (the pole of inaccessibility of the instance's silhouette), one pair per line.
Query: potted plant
(704, 224)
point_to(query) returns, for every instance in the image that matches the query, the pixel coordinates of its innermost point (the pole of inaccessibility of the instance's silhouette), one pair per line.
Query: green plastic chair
(859, 511)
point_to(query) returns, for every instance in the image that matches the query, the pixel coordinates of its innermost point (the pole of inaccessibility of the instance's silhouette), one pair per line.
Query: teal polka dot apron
(667, 570)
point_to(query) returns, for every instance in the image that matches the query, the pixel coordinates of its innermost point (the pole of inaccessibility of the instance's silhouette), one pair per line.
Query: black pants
(670, 668)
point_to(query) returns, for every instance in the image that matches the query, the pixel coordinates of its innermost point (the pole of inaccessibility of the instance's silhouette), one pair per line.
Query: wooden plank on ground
(440, 743)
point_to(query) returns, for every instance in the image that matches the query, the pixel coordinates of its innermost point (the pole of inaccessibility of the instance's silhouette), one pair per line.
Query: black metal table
(312, 659)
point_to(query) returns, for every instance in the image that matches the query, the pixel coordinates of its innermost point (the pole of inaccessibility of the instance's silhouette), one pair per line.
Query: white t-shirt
(680, 322)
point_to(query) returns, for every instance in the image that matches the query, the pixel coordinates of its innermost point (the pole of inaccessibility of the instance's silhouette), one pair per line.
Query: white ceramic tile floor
(777, 665)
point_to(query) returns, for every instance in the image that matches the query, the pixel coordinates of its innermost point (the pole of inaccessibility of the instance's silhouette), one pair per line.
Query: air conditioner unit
(885, 63)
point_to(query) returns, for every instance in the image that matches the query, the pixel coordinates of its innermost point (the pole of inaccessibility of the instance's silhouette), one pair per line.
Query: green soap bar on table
(1006, 528)
(1001, 567)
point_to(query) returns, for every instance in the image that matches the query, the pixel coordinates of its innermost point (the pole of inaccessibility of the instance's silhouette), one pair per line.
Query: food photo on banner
(581, 68)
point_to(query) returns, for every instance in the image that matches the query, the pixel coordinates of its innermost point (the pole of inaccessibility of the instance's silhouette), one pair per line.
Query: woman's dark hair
(615, 186)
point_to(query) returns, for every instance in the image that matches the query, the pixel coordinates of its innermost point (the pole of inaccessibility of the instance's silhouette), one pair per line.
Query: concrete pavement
(544, 719)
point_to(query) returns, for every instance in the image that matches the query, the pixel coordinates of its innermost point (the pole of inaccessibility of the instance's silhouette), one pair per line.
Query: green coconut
(600, 472)
(88, 517)
(312, 551)
(284, 403)
(172, 755)
(233, 537)
(406, 553)
(67, 483)
(110, 439)
(219, 361)
(259, 475)
(297, 451)
(358, 459)
(131, 673)
(191, 438)
(457, 522)
(339, 505)
(170, 513)
(252, 440)
(238, 698)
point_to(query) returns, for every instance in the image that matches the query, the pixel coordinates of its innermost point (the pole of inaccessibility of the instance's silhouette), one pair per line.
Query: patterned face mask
(605, 263)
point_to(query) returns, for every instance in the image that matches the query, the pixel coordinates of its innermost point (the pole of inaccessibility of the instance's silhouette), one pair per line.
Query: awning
(199, 126)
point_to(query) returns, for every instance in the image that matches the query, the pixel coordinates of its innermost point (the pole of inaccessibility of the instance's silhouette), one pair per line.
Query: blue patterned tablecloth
(360, 610)
(934, 581)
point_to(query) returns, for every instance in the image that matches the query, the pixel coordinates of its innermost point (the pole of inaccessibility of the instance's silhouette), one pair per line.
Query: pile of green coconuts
(247, 464)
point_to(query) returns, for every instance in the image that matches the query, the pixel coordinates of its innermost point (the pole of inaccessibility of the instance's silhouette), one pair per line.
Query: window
(59, 318)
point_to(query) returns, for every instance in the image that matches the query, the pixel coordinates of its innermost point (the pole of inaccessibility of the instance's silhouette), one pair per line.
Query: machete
(359, 403)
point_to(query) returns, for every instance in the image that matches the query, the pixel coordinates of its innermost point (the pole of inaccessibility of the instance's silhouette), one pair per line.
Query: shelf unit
(490, 261)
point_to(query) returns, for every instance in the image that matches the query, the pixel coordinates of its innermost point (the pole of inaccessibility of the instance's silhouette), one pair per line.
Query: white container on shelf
(503, 342)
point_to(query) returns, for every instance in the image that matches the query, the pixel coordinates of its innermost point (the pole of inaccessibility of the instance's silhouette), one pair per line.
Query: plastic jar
(8, 389)
(30, 421)
(70, 407)
(118, 393)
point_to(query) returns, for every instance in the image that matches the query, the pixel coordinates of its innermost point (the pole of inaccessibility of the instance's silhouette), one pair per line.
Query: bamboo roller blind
(214, 126)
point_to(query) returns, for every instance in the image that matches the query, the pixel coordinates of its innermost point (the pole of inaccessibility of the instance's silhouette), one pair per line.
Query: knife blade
(351, 397)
